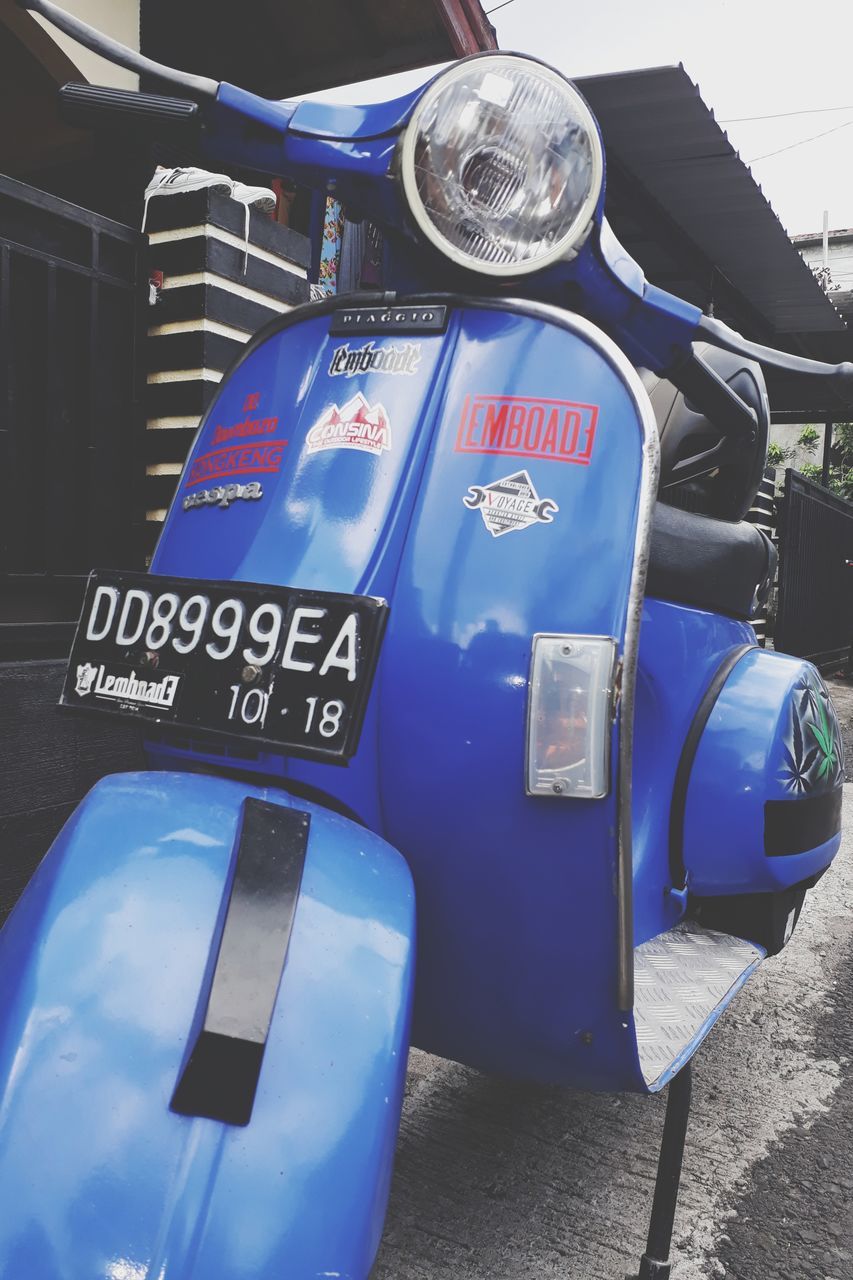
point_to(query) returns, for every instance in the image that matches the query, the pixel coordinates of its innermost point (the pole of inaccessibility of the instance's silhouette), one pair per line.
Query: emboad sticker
(528, 428)
(358, 425)
(349, 360)
(509, 504)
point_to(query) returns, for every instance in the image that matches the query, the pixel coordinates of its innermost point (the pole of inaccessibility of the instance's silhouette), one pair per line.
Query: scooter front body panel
(491, 492)
(103, 961)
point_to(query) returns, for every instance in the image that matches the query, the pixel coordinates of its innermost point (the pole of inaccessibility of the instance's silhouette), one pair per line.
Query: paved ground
(498, 1181)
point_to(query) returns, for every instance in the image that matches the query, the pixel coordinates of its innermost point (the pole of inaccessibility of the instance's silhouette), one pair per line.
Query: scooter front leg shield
(114, 966)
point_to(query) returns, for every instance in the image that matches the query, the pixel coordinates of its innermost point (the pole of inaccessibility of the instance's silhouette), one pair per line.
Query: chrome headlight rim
(569, 244)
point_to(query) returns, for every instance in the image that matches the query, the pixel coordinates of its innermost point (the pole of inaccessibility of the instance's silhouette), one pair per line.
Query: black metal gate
(71, 421)
(815, 609)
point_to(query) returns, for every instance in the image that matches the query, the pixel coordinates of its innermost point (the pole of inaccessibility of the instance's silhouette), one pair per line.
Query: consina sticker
(510, 504)
(524, 427)
(358, 425)
(253, 453)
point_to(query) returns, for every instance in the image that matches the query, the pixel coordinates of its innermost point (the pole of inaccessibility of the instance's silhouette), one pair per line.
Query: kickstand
(655, 1263)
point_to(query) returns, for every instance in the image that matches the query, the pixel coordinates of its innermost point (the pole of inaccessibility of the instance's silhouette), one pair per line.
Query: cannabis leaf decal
(797, 762)
(825, 736)
(808, 695)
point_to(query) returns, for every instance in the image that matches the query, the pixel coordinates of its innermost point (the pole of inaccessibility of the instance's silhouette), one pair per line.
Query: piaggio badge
(368, 320)
(509, 504)
(524, 427)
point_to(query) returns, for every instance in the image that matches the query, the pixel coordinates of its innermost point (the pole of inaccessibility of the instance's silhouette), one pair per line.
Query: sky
(749, 57)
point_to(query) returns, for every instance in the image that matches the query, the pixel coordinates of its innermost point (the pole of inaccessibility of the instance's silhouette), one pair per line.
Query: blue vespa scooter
(428, 635)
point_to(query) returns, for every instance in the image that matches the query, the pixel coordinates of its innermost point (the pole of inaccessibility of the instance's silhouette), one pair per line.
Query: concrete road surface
(501, 1181)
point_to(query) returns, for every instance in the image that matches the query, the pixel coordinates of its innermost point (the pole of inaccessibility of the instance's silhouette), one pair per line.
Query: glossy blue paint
(102, 964)
(447, 712)
(680, 650)
(745, 758)
(323, 120)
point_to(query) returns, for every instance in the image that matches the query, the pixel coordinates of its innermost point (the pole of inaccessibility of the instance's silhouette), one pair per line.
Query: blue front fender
(101, 966)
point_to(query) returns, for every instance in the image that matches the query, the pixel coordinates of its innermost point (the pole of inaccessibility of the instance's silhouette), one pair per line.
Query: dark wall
(72, 316)
(48, 761)
(72, 298)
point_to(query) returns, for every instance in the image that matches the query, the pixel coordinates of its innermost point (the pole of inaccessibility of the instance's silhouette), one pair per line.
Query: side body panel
(103, 961)
(764, 800)
(680, 650)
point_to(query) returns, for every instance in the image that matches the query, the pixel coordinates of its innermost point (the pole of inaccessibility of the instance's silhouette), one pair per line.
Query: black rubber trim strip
(97, 106)
(798, 826)
(220, 1073)
(678, 805)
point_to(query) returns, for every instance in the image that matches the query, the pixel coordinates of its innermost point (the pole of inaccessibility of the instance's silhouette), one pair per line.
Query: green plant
(808, 439)
(777, 456)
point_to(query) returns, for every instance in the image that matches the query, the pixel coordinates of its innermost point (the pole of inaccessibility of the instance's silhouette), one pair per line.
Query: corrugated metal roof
(664, 141)
(281, 48)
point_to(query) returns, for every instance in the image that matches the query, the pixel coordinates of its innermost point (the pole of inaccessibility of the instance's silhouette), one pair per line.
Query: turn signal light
(569, 716)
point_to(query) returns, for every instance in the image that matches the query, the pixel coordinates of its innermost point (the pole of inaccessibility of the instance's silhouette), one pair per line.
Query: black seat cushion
(720, 565)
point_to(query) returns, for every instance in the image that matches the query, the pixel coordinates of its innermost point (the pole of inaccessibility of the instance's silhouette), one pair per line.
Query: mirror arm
(120, 54)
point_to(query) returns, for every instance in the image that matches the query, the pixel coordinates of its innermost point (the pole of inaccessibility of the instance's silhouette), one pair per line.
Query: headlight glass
(502, 165)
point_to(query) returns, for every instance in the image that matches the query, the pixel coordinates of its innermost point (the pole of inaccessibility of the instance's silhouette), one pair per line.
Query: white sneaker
(261, 198)
(168, 182)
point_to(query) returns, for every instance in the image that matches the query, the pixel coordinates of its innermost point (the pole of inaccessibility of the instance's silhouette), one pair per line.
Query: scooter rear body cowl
(104, 964)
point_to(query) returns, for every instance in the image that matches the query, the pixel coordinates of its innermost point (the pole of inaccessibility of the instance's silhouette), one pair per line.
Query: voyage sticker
(245, 449)
(358, 425)
(509, 504)
(525, 427)
(350, 361)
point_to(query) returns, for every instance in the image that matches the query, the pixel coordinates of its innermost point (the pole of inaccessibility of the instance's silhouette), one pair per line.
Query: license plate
(277, 665)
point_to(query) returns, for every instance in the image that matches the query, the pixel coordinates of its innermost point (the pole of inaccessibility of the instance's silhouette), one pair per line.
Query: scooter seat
(720, 565)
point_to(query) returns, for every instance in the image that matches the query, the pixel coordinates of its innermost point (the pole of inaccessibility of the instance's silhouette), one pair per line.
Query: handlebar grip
(720, 335)
(98, 107)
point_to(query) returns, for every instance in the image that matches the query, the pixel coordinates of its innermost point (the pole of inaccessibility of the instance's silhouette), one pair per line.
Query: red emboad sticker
(524, 427)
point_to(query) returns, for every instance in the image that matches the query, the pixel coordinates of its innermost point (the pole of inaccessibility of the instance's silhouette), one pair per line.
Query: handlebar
(119, 54)
(656, 328)
(720, 335)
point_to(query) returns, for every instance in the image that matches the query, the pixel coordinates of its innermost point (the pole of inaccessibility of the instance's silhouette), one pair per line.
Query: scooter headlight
(502, 165)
